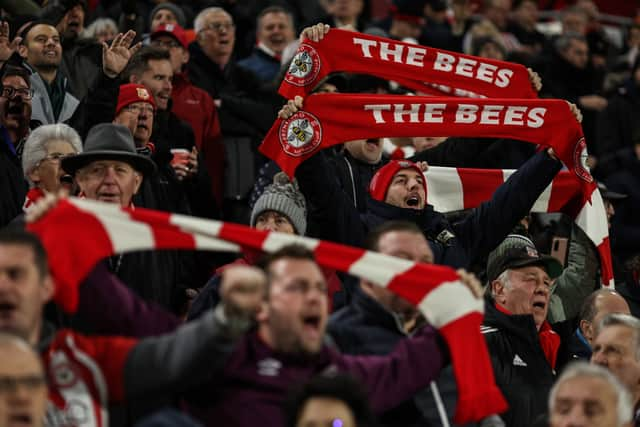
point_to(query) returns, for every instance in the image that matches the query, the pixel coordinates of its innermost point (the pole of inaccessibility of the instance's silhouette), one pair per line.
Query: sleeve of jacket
(99, 106)
(339, 218)
(195, 353)
(625, 234)
(396, 377)
(578, 279)
(492, 221)
(120, 311)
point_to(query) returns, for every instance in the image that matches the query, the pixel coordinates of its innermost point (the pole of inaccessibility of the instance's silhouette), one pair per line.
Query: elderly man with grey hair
(41, 158)
(617, 348)
(521, 343)
(246, 106)
(588, 395)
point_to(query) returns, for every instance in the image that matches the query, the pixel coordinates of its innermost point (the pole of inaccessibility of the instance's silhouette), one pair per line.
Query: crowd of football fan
(163, 104)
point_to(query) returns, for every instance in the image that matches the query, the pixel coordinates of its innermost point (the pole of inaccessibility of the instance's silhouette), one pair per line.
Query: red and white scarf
(330, 119)
(424, 69)
(435, 290)
(453, 189)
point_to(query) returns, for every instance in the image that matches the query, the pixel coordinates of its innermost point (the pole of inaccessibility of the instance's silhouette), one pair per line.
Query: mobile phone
(559, 247)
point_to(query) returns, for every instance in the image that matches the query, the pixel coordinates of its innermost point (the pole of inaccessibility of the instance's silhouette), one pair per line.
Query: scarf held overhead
(454, 189)
(330, 119)
(435, 290)
(425, 69)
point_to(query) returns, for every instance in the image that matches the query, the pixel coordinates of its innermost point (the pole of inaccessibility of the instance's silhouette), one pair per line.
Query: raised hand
(7, 47)
(242, 291)
(116, 57)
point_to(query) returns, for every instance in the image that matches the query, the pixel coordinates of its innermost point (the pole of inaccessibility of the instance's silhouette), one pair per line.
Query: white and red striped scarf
(453, 189)
(435, 290)
(424, 69)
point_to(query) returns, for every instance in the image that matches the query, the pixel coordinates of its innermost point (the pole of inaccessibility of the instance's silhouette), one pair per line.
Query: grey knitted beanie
(283, 196)
(175, 9)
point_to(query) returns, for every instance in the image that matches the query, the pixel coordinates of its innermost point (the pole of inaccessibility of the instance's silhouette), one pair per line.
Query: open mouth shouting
(413, 200)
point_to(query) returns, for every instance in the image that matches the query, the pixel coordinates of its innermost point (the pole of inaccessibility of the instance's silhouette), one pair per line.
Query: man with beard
(287, 347)
(15, 114)
(42, 52)
(398, 191)
(151, 67)
(81, 57)
(193, 105)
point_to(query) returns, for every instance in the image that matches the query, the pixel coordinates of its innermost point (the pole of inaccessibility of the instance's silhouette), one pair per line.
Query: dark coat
(13, 187)
(625, 224)
(246, 107)
(457, 245)
(618, 126)
(82, 63)
(521, 370)
(263, 65)
(486, 153)
(258, 378)
(365, 327)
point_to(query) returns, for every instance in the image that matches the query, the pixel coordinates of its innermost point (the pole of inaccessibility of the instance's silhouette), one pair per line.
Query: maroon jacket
(195, 106)
(255, 381)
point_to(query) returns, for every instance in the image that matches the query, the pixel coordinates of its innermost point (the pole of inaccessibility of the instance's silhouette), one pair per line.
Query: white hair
(35, 147)
(621, 319)
(581, 369)
(504, 278)
(198, 23)
(98, 26)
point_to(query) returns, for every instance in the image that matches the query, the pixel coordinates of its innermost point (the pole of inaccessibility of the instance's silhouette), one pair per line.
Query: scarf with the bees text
(423, 69)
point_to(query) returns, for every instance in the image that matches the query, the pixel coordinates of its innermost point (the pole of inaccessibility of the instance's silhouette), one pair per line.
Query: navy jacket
(365, 327)
(457, 245)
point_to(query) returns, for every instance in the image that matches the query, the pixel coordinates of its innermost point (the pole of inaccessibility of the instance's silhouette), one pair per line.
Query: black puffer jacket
(522, 372)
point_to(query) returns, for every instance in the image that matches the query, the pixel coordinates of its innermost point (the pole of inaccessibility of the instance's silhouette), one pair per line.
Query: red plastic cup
(180, 156)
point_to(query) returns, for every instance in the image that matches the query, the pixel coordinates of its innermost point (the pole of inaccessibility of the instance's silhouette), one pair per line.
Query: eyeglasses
(30, 382)
(147, 108)
(170, 44)
(219, 26)
(56, 157)
(10, 92)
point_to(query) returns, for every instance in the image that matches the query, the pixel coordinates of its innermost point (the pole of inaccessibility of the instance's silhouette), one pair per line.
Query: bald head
(23, 389)
(596, 306)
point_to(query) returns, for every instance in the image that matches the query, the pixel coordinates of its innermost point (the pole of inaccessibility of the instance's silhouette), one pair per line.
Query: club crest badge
(580, 156)
(142, 93)
(304, 67)
(300, 134)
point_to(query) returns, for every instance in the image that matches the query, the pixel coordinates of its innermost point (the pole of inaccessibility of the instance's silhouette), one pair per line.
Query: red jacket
(196, 107)
(84, 375)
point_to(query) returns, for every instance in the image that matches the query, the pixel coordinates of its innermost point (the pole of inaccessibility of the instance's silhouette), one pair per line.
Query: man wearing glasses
(23, 386)
(15, 115)
(245, 105)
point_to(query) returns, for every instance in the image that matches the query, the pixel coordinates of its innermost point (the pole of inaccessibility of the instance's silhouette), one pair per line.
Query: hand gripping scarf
(425, 69)
(330, 119)
(445, 302)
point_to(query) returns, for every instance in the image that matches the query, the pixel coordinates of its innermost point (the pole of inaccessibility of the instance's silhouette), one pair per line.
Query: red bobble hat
(382, 179)
(131, 93)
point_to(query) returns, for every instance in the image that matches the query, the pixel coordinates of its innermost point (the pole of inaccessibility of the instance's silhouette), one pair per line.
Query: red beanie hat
(131, 93)
(382, 179)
